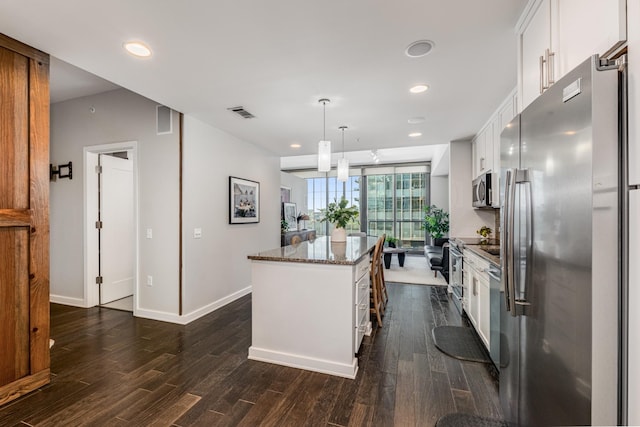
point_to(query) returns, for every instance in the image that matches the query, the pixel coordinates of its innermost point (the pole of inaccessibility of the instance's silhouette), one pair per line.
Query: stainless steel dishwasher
(494, 307)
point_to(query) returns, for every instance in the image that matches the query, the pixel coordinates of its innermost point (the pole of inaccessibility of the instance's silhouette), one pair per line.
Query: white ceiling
(277, 58)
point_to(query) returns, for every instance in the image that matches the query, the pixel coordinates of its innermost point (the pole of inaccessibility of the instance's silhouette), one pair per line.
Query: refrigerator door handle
(523, 179)
(508, 264)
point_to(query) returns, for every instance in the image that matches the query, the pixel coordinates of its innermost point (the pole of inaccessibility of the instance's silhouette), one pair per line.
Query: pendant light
(324, 146)
(343, 164)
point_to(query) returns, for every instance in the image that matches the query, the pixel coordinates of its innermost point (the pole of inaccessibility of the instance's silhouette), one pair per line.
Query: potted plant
(284, 226)
(485, 232)
(391, 241)
(436, 222)
(339, 214)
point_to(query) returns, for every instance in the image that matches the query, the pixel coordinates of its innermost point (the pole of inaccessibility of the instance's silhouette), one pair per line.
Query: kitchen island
(310, 304)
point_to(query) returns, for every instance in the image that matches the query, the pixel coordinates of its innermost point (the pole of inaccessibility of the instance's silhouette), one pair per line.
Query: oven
(455, 275)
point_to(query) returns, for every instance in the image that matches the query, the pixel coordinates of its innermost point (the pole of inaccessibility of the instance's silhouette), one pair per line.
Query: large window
(391, 200)
(319, 190)
(395, 203)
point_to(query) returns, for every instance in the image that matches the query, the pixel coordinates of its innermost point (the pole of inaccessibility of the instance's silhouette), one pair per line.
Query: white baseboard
(75, 302)
(196, 314)
(305, 362)
(162, 316)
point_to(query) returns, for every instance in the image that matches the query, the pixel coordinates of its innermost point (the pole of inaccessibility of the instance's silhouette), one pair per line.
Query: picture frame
(244, 201)
(285, 194)
(289, 214)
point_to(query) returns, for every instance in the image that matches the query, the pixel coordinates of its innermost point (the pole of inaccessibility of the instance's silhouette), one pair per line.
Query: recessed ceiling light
(415, 120)
(419, 48)
(295, 146)
(415, 134)
(419, 88)
(138, 49)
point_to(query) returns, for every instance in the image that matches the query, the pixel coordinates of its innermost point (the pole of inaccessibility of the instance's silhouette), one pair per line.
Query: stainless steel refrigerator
(560, 254)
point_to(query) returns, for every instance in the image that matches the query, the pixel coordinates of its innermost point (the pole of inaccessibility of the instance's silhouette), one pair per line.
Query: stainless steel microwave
(486, 191)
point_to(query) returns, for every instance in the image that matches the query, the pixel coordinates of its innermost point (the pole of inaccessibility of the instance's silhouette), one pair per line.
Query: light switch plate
(149, 233)
(197, 233)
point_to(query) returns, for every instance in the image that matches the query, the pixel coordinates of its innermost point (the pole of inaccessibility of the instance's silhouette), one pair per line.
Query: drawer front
(362, 318)
(362, 288)
(358, 337)
(362, 267)
(360, 332)
(361, 312)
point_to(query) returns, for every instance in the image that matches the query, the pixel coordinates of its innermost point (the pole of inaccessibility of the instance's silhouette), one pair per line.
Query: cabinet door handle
(481, 163)
(542, 88)
(551, 56)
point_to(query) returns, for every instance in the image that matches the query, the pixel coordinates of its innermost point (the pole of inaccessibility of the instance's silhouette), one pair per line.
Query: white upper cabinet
(535, 47)
(483, 151)
(557, 35)
(486, 144)
(505, 114)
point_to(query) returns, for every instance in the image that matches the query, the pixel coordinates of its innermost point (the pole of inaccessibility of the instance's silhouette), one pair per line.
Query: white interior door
(117, 232)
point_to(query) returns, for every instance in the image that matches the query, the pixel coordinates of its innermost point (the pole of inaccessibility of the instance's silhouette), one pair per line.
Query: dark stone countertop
(320, 251)
(482, 250)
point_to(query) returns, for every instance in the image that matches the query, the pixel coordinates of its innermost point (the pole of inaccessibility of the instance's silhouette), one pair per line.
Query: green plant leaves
(338, 213)
(436, 221)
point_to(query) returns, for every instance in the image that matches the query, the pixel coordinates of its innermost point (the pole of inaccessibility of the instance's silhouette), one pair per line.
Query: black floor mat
(460, 342)
(468, 420)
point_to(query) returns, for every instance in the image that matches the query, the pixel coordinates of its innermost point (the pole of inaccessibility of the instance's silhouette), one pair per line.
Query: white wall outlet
(197, 233)
(149, 280)
(149, 233)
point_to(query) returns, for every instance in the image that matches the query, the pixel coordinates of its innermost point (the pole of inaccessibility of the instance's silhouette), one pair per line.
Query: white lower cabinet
(477, 292)
(484, 308)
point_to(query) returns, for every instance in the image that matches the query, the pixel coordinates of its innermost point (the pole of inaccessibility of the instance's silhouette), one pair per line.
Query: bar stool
(376, 298)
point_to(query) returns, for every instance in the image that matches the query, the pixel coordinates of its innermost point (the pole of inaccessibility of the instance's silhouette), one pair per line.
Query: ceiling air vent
(241, 112)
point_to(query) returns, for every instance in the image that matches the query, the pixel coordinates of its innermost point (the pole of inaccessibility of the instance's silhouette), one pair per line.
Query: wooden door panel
(24, 219)
(14, 295)
(14, 132)
(39, 209)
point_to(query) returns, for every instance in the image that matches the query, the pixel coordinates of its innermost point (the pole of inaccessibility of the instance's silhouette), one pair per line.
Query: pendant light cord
(324, 120)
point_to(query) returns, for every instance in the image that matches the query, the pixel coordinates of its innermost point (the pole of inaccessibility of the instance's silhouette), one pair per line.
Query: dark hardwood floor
(113, 369)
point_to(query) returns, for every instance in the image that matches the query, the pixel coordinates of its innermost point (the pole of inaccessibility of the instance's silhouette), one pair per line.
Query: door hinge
(98, 169)
(98, 280)
(99, 225)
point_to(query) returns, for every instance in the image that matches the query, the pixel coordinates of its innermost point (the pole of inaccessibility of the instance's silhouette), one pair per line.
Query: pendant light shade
(324, 146)
(324, 156)
(343, 170)
(343, 164)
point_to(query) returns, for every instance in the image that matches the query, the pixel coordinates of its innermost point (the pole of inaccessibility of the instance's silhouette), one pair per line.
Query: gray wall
(440, 192)
(298, 188)
(119, 116)
(215, 267)
(463, 218)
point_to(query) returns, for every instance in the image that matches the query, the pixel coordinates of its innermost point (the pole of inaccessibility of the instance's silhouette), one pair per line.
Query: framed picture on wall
(289, 215)
(285, 194)
(244, 201)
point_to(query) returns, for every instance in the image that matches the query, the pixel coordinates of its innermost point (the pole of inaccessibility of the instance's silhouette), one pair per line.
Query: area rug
(467, 420)
(415, 271)
(460, 342)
